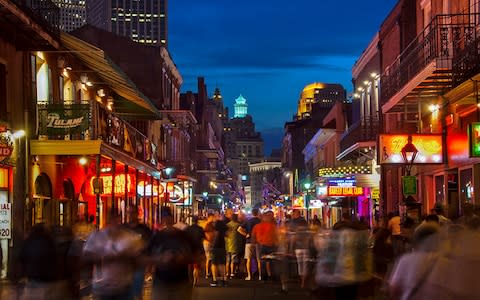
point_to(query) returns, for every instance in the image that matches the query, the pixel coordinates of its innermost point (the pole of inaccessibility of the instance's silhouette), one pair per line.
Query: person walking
(219, 253)
(114, 251)
(396, 233)
(251, 249)
(233, 243)
(266, 236)
(171, 251)
(197, 235)
(301, 242)
(209, 231)
(40, 266)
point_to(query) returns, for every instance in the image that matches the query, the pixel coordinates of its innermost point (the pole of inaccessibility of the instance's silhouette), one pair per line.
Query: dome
(240, 100)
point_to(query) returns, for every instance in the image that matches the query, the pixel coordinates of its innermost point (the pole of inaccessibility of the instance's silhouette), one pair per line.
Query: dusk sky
(268, 50)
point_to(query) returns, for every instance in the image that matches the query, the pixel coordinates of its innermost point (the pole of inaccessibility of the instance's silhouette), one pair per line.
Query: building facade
(73, 14)
(265, 181)
(144, 22)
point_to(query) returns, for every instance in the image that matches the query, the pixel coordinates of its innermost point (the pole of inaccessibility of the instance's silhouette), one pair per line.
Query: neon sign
(119, 184)
(474, 139)
(344, 191)
(429, 146)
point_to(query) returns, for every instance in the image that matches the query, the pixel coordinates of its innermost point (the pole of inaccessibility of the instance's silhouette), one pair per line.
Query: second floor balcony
(89, 120)
(424, 68)
(364, 130)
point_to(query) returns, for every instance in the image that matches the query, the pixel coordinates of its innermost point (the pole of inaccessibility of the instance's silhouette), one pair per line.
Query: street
(248, 290)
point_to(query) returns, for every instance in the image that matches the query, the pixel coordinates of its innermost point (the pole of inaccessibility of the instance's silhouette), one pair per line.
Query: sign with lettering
(344, 191)
(5, 220)
(375, 193)
(429, 147)
(63, 119)
(107, 184)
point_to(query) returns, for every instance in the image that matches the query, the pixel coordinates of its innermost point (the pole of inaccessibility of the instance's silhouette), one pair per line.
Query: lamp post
(409, 183)
(307, 186)
(409, 153)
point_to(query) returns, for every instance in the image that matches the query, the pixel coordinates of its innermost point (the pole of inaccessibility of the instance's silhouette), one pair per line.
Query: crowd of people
(436, 258)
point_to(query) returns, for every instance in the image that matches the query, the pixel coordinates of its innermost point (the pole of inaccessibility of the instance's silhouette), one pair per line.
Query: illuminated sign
(375, 193)
(298, 203)
(348, 181)
(146, 189)
(119, 184)
(344, 191)
(474, 139)
(429, 148)
(6, 144)
(315, 203)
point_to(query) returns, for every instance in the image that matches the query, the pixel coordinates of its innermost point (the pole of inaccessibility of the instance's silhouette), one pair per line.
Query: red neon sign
(119, 184)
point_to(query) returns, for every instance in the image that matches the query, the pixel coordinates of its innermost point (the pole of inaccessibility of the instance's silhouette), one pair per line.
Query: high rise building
(240, 107)
(73, 14)
(319, 95)
(144, 21)
(242, 143)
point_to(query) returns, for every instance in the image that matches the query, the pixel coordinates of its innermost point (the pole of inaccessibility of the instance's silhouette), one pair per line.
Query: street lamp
(307, 185)
(409, 153)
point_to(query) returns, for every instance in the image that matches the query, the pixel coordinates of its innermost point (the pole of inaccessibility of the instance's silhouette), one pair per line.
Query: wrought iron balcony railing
(466, 59)
(366, 129)
(89, 120)
(438, 41)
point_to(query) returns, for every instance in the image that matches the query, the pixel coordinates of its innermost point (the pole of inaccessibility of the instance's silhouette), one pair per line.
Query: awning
(356, 147)
(93, 147)
(61, 147)
(131, 100)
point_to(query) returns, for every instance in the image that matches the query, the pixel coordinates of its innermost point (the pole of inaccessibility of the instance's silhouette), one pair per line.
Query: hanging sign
(409, 184)
(6, 143)
(429, 146)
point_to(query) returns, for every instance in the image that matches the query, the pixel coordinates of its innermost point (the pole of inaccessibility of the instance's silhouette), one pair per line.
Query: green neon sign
(474, 139)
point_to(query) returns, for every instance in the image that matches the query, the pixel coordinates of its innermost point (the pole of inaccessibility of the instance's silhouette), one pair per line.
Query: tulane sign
(55, 121)
(63, 119)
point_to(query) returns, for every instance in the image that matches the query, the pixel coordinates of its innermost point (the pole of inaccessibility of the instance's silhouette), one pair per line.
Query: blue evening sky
(268, 50)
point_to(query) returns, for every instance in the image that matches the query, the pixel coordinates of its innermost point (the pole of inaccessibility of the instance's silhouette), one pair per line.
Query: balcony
(365, 130)
(424, 68)
(185, 167)
(466, 60)
(89, 120)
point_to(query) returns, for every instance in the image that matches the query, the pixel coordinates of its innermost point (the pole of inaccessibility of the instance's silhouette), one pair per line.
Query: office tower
(73, 13)
(144, 21)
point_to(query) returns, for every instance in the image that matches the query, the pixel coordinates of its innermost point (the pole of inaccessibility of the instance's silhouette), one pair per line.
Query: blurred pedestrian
(114, 251)
(136, 225)
(408, 274)
(346, 263)
(208, 243)
(251, 250)
(394, 225)
(171, 251)
(300, 244)
(219, 253)
(40, 265)
(197, 236)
